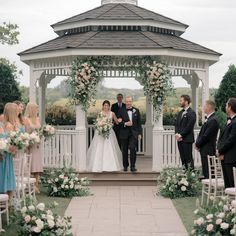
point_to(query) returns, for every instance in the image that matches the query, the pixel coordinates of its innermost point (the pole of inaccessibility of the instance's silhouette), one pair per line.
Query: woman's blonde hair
(31, 111)
(10, 113)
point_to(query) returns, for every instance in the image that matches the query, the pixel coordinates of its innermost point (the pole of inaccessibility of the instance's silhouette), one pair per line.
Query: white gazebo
(119, 29)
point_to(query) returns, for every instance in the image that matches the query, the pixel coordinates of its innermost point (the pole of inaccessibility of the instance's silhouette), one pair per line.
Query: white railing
(63, 147)
(170, 155)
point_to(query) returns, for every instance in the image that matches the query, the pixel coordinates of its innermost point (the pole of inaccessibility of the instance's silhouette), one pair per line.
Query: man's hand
(129, 123)
(221, 157)
(139, 136)
(178, 138)
(119, 120)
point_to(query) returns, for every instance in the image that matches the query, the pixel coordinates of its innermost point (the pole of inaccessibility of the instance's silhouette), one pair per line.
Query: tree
(9, 33)
(227, 88)
(9, 88)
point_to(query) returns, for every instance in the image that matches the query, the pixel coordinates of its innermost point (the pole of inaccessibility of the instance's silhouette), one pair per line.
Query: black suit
(206, 142)
(185, 127)
(115, 108)
(227, 147)
(129, 135)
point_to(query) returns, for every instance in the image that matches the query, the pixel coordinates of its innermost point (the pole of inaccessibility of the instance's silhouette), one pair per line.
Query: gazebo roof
(117, 39)
(119, 11)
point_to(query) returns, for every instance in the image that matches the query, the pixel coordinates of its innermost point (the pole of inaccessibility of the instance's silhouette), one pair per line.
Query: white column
(32, 89)
(149, 128)
(194, 88)
(81, 139)
(158, 130)
(42, 98)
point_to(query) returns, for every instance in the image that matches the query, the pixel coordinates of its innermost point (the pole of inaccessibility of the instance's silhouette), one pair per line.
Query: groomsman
(115, 108)
(206, 140)
(227, 144)
(184, 131)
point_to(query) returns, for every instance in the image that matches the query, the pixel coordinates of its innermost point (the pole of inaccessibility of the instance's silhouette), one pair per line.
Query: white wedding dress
(104, 154)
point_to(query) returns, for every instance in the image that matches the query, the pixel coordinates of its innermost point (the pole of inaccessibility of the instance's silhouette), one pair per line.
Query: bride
(104, 153)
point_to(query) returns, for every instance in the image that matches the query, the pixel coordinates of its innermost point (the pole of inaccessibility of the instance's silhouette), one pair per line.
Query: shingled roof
(119, 40)
(120, 11)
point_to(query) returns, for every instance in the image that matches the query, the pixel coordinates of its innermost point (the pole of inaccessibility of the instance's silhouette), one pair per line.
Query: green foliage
(9, 89)
(60, 115)
(9, 33)
(178, 183)
(222, 118)
(227, 88)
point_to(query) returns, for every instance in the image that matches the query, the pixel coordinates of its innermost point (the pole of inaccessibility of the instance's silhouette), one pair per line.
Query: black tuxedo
(129, 135)
(206, 142)
(185, 127)
(115, 108)
(227, 147)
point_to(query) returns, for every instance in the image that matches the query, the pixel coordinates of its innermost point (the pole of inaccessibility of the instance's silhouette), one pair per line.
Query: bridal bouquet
(4, 145)
(47, 131)
(19, 140)
(37, 219)
(103, 125)
(34, 139)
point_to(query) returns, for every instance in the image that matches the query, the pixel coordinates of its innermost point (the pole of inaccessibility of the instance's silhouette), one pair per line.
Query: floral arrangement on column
(157, 85)
(83, 80)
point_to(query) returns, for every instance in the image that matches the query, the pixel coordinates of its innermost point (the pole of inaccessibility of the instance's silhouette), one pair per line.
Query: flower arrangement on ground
(37, 219)
(177, 183)
(47, 131)
(218, 219)
(103, 125)
(66, 183)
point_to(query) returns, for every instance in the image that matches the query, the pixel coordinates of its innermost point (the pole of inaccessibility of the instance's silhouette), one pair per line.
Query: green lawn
(11, 230)
(185, 208)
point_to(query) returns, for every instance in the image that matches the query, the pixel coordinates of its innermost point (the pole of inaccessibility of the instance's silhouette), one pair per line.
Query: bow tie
(129, 109)
(229, 118)
(206, 117)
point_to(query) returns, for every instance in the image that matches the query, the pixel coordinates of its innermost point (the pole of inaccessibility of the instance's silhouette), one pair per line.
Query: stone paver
(124, 211)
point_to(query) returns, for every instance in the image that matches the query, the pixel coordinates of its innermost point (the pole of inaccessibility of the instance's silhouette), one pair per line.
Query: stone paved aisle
(124, 211)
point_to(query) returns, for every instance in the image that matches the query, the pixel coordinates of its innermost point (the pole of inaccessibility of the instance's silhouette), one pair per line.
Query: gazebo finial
(135, 2)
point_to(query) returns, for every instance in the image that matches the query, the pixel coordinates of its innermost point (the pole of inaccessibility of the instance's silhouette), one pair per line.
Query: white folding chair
(214, 186)
(4, 198)
(19, 194)
(231, 192)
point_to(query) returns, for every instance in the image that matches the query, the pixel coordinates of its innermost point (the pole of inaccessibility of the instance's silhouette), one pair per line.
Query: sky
(211, 24)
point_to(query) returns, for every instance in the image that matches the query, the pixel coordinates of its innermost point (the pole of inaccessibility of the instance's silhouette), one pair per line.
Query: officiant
(115, 108)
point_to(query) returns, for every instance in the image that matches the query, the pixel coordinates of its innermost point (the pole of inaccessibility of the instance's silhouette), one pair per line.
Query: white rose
(210, 227)
(33, 218)
(224, 226)
(62, 186)
(218, 221)
(232, 231)
(221, 215)
(49, 212)
(196, 211)
(183, 188)
(54, 189)
(50, 217)
(55, 203)
(41, 206)
(200, 221)
(36, 229)
(51, 223)
(193, 232)
(209, 217)
(27, 219)
(24, 209)
(61, 176)
(31, 208)
(71, 186)
(39, 223)
(56, 180)
(66, 186)
(233, 203)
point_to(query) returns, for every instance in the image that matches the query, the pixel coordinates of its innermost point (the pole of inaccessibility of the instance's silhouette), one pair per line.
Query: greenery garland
(153, 74)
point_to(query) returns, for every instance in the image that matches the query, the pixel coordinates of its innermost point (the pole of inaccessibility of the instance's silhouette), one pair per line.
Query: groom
(130, 132)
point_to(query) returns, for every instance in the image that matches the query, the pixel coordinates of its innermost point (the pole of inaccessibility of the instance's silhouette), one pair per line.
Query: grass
(11, 230)
(185, 207)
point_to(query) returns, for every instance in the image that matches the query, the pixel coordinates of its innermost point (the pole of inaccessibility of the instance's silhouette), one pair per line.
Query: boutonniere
(134, 110)
(229, 121)
(184, 113)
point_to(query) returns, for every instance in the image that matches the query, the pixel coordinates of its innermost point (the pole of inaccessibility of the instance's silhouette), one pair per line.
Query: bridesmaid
(32, 123)
(7, 175)
(20, 119)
